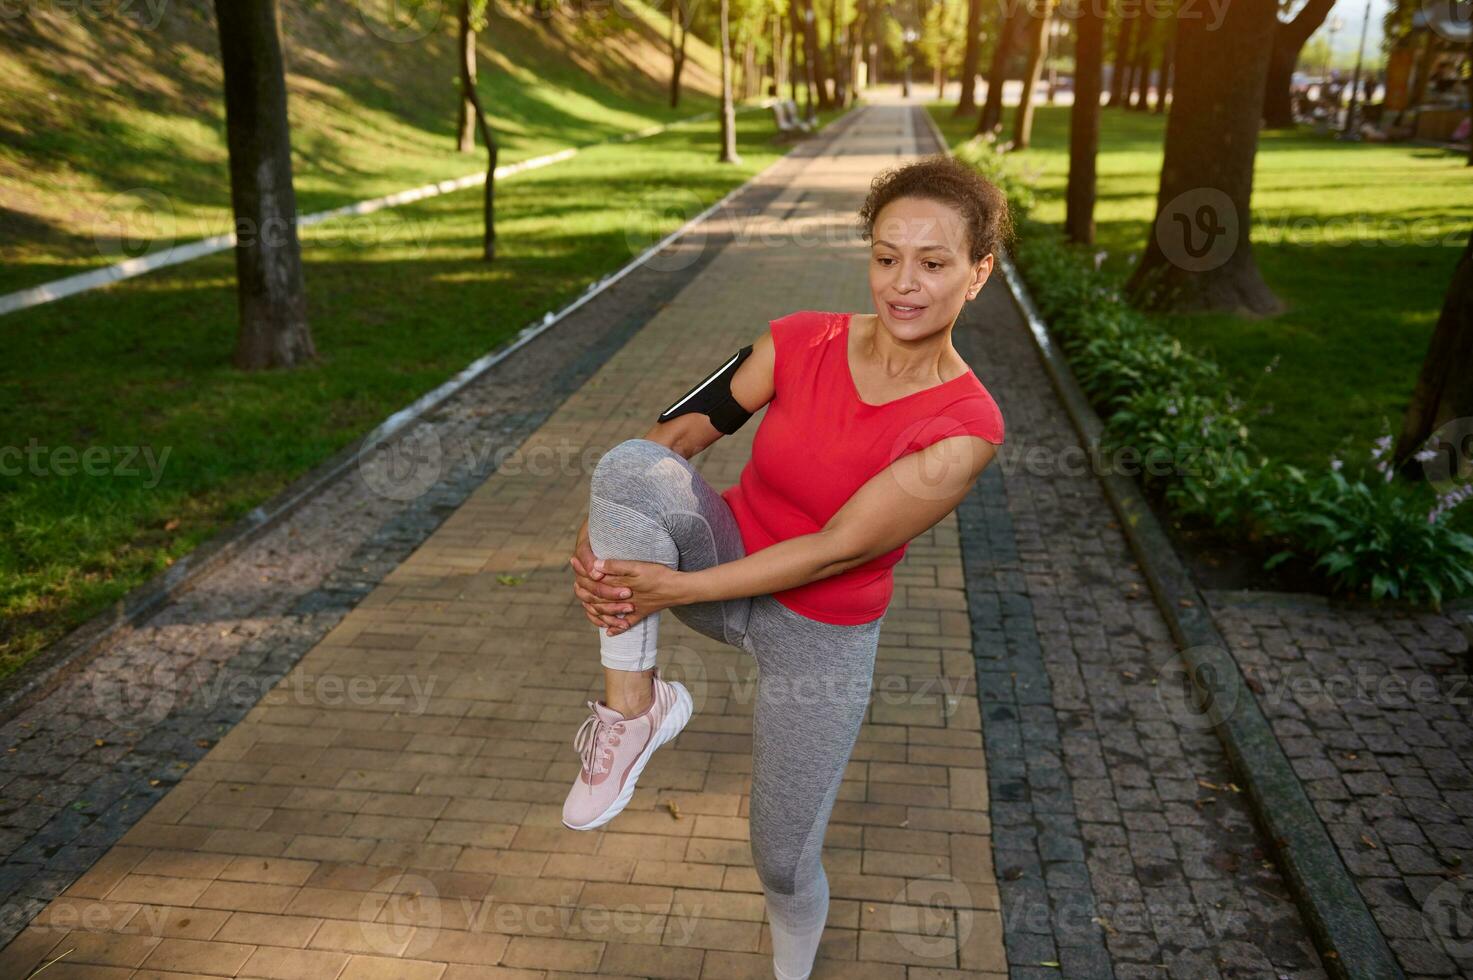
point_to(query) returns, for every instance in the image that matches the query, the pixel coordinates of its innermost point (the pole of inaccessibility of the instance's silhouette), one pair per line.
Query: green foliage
(1169, 414)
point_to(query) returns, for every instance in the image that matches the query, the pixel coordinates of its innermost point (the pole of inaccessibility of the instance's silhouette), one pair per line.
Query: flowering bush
(1163, 401)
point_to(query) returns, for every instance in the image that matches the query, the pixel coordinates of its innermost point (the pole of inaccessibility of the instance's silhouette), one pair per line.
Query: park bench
(789, 125)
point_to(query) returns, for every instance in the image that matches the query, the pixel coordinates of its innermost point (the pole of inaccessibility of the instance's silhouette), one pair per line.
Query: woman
(875, 430)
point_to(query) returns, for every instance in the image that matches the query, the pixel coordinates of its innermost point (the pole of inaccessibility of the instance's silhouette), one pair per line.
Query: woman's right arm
(690, 434)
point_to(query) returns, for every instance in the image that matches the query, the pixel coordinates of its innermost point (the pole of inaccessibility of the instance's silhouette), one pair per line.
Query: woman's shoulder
(801, 331)
(977, 411)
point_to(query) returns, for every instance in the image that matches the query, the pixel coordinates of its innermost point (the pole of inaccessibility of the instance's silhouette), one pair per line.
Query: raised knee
(632, 457)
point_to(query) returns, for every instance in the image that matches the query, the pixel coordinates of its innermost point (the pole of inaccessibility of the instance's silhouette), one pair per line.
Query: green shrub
(1163, 403)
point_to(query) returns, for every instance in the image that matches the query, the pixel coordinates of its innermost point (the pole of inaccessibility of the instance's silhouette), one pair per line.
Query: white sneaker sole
(669, 728)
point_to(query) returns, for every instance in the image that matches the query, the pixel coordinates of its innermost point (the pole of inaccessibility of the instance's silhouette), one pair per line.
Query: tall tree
(679, 26)
(835, 71)
(1037, 29)
(1124, 34)
(1145, 41)
(1289, 39)
(1011, 19)
(971, 55)
(466, 124)
(1084, 123)
(1163, 84)
(1444, 388)
(1200, 256)
(728, 111)
(270, 291)
(811, 54)
(472, 13)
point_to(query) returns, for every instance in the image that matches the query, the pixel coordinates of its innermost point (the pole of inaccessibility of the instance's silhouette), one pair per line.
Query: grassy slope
(399, 301)
(100, 115)
(1359, 240)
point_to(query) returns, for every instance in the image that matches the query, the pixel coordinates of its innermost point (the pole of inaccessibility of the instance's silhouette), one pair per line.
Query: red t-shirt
(818, 443)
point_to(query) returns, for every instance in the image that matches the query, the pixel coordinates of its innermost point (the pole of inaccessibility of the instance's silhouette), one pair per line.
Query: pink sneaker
(615, 750)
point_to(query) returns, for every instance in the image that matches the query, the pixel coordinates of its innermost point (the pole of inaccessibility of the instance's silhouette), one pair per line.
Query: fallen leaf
(674, 810)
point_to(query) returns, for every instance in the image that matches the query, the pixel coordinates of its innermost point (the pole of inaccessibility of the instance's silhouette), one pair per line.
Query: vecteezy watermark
(135, 223)
(1198, 688)
(1384, 689)
(401, 21)
(931, 917)
(145, 13)
(1447, 18)
(406, 467)
(1198, 229)
(117, 461)
(658, 213)
(1078, 913)
(1447, 459)
(403, 914)
(136, 698)
(142, 222)
(1447, 918)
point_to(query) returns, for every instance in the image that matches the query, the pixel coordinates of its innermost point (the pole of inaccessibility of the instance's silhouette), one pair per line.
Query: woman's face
(919, 258)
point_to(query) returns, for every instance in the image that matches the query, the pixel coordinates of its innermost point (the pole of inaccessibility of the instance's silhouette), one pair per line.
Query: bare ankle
(629, 692)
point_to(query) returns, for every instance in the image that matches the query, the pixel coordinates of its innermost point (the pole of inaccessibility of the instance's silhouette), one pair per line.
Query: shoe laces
(594, 742)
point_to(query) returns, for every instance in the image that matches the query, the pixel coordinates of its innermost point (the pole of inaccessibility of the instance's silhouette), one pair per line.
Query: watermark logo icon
(1198, 229)
(404, 468)
(658, 213)
(1197, 692)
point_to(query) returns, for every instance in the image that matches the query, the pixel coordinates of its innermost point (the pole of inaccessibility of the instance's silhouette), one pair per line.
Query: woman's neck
(927, 360)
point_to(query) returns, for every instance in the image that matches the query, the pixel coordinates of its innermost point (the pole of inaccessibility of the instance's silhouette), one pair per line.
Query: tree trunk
(467, 122)
(270, 291)
(1200, 257)
(834, 62)
(728, 110)
(1423, 69)
(749, 69)
(1444, 389)
(780, 71)
(1012, 19)
(488, 198)
(1023, 119)
(793, 63)
(812, 56)
(1289, 39)
(1084, 123)
(1123, 36)
(1142, 70)
(971, 55)
(677, 50)
(1163, 84)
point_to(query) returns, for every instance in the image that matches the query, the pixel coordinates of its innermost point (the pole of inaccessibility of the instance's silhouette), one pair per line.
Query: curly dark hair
(949, 181)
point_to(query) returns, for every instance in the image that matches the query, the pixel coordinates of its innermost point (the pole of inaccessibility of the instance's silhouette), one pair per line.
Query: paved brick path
(1375, 709)
(83, 763)
(391, 808)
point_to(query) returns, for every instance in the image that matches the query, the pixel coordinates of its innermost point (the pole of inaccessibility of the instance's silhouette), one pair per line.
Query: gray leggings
(647, 502)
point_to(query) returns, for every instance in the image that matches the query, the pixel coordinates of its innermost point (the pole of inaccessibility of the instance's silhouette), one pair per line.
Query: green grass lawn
(137, 141)
(399, 301)
(1360, 242)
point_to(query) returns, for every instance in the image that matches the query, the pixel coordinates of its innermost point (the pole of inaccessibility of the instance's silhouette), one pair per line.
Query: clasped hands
(618, 592)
